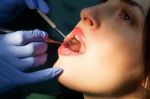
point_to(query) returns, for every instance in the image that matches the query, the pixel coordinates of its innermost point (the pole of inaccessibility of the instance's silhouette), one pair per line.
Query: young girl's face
(107, 53)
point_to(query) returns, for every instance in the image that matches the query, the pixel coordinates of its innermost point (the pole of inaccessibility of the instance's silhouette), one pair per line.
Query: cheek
(109, 63)
(103, 69)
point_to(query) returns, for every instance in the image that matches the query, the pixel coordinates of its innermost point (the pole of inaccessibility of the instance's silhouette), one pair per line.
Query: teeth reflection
(75, 45)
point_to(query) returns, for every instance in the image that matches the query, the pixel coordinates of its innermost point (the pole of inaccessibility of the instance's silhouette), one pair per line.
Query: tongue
(75, 45)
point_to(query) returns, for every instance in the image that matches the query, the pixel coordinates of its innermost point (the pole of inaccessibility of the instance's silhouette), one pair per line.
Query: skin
(112, 65)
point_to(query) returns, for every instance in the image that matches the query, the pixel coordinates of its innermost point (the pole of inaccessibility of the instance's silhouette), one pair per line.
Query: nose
(89, 17)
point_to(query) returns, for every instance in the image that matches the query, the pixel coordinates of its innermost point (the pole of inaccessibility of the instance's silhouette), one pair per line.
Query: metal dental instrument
(51, 23)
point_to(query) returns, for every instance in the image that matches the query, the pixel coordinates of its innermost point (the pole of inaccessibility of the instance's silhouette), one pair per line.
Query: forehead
(144, 3)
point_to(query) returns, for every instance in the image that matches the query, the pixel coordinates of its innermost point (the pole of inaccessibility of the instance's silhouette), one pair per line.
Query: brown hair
(146, 55)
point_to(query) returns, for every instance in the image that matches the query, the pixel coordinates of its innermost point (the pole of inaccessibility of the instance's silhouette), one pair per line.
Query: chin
(75, 77)
(80, 81)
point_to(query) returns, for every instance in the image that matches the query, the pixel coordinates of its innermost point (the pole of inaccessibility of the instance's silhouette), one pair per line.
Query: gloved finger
(38, 48)
(42, 75)
(11, 60)
(26, 63)
(8, 69)
(29, 50)
(14, 38)
(34, 36)
(24, 37)
(42, 6)
(30, 4)
(31, 62)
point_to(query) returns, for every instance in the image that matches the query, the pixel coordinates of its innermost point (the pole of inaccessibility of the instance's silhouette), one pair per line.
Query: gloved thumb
(41, 75)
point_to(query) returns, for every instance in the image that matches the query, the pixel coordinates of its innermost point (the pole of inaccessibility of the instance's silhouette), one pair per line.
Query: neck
(136, 94)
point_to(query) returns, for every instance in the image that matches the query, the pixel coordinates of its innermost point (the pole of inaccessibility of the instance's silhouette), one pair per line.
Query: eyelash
(126, 16)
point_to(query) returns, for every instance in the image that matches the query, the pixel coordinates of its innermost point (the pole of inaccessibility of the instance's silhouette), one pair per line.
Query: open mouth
(74, 44)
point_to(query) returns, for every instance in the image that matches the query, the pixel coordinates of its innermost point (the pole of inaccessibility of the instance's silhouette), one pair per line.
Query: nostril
(86, 16)
(88, 21)
(90, 17)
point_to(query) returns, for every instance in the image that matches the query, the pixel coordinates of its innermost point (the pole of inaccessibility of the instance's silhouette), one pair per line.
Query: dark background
(66, 14)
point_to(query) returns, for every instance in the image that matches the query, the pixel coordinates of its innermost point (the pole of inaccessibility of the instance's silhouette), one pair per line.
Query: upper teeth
(77, 37)
(82, 47)
(74, 41)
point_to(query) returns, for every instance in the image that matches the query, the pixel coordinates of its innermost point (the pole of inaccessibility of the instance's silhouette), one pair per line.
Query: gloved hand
(32, 4)
(19, 51)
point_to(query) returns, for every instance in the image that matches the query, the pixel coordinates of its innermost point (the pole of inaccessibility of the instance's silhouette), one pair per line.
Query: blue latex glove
(19, 51)
(32, 4)
(9, 9)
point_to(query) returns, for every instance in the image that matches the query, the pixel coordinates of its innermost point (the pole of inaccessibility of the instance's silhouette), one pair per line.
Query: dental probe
(51, 23)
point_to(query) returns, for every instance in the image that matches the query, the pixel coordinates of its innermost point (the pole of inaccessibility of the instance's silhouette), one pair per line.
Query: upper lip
(78, 34)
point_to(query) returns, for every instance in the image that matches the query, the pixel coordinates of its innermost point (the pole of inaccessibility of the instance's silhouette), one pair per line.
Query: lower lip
(63, 50)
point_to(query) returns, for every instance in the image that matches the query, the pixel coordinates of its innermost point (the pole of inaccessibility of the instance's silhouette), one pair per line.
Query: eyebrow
(133, 3)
